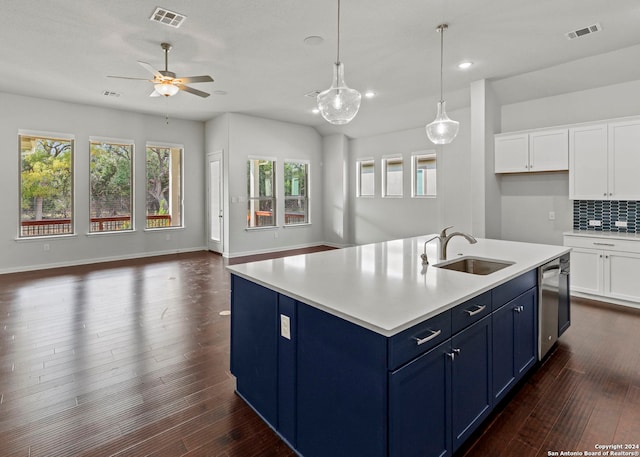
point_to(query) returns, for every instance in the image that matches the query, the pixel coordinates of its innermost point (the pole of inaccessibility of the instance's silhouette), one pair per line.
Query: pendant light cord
(338, 51)
(441, 29)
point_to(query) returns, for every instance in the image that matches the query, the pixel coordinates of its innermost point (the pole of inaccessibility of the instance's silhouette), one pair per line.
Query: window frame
(386, 160)
(273, 198)
(306, 198)
(122, 142)
(72, 164)
(359, 167)
(180, 205)
(415, 157)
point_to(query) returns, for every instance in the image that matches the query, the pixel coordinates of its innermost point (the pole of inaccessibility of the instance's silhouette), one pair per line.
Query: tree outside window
(111, 197)
(46, 186)
(261, 209)
(296, 193)
(164, 186)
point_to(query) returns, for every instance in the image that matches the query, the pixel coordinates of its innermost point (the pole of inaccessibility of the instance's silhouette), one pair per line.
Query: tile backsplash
(608, 212)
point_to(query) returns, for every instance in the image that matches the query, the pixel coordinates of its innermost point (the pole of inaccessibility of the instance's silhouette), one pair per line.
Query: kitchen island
(365, 351)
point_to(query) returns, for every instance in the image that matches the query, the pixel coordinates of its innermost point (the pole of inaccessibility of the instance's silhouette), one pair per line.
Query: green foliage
(110, 179)
(45, 178)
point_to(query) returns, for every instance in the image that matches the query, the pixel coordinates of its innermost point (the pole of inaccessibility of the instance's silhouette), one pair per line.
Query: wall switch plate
(622, 224)
(595, 223)
(285, 326)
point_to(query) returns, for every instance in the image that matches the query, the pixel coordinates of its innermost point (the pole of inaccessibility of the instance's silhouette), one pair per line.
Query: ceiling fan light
(339, 104)
(166, 89)
(442, 130)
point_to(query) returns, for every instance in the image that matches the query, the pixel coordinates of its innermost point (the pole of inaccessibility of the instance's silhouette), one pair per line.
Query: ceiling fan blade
(195, 79)
(128, 77)
(155, 93)
(150, 69)
(193, 91)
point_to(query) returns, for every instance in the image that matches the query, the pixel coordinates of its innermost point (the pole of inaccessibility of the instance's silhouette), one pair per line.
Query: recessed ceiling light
(369, 94)
(465, 65)
(313, 40)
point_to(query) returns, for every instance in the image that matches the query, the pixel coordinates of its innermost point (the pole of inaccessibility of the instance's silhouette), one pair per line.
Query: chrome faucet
(444, 240)
(425, 259)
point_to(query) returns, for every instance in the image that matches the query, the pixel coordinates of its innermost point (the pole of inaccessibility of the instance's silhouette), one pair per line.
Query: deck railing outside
(47, 227)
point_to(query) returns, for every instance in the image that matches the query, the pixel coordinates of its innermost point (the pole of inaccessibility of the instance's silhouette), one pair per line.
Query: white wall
(527, 199)
(379, 219)
(19, 112)
(335, 181)
(254, 136)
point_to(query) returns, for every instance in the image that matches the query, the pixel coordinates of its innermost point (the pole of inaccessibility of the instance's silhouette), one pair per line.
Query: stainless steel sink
(474, 265)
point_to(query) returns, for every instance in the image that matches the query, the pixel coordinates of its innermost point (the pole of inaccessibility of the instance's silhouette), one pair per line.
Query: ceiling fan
(166, 83)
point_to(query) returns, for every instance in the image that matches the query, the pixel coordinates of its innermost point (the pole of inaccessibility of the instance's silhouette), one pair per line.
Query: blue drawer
(470, 311)
(510, 290)
(418, 339)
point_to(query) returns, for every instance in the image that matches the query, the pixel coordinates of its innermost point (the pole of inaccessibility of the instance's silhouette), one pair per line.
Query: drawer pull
(434, 333)
(518, 309)
(603, 244)
(479, 309)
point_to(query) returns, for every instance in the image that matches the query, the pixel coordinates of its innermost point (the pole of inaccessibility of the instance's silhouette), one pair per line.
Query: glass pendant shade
(442, 130)
(339, 104)
(166, 89)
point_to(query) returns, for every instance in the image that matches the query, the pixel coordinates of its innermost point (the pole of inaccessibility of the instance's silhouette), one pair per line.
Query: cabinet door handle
(603, 244)
(434, 333)
(452, 355)
(479, 309)
(518, 309)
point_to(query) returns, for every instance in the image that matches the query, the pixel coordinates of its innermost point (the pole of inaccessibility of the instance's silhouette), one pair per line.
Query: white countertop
(602, 234)
(382, 287)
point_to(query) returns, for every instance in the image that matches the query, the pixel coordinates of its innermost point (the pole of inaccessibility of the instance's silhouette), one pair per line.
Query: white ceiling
(255, 51)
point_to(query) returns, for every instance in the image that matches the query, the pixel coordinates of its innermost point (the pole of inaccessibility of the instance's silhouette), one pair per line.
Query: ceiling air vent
(166, 17)
(109, 93)
(584, 31)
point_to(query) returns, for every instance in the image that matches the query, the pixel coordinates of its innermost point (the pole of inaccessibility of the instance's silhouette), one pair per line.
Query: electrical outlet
(552, 215)
(167, 237)
(595, 223)
(46, 247)
(622, 224)
(285, 326)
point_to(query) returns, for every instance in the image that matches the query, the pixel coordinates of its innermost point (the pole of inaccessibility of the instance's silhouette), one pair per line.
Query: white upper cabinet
(588, 162)
(624, 160)
(605, 161)
(542, 150)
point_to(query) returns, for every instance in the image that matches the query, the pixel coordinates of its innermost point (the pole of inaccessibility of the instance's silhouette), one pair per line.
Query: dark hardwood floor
(131, 358)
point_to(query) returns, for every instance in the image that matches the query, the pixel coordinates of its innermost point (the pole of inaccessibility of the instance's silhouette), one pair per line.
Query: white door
(511, 153)
(549, 150)
(215, 202)
(621, 275)
(586, 271)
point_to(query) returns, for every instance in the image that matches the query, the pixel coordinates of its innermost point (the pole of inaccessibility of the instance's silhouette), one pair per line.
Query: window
(164, 186)
(392, 176)
(424, 174)
(111, 198)
(260, 189)
(46, 185)
(365, 181)
(296, 193)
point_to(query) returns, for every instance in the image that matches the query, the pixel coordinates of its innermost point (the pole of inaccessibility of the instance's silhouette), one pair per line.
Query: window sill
(259, 229)
(306, 224)
(45, 237)
(161, 229)
(111, 232)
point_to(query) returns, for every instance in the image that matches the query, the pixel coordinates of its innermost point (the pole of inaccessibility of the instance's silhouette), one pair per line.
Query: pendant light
(442, 130)
(339, 104)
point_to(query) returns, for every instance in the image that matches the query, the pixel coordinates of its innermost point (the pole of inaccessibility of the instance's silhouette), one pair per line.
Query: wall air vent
(166, 17)
(583, 31)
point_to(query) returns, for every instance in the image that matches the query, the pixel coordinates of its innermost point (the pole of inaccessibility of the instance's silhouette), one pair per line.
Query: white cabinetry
(604, 161)
(541, 150)
(606, 267)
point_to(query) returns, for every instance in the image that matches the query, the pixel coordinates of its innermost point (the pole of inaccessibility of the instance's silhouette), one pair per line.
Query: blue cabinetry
(332, 387)
(514, 341)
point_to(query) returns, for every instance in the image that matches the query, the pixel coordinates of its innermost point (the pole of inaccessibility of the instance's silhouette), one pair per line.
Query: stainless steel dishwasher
(553, 302)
